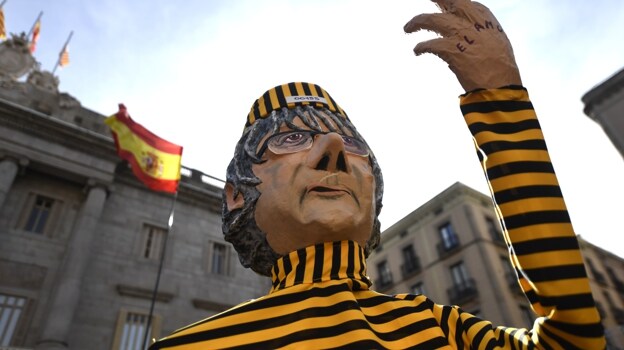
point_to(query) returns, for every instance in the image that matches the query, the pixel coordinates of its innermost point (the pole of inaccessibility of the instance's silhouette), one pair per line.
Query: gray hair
(239, 225)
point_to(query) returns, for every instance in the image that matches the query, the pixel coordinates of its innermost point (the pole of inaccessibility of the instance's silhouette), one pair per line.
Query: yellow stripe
(287, 93)
(498, 117)
(503, 157)
(569, 286)
(300, 92)
(531, 205)
(495, 95)
(169, 164)
(525, 179)
(549, 230)
(273, 97)
(329, 101)
(550, 259)
(488, 136)
(262, 106)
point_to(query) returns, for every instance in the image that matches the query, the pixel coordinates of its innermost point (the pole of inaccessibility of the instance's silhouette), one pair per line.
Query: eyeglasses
(301, 140)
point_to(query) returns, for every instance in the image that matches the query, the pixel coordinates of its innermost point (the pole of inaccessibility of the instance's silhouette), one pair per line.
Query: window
(460, 276)
(153, 242)
(11, 309)
(219, 259)
(132, 328)
(463, 288)
(385, 275)
(493, 229)
(38, 214)
(418, 288)
(448, 236)
(410, 261)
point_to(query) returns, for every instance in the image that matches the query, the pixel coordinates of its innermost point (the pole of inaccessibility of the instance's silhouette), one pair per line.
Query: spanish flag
(154, 161)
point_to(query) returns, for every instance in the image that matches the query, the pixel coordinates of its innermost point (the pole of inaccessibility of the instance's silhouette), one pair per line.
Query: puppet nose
(328, 153)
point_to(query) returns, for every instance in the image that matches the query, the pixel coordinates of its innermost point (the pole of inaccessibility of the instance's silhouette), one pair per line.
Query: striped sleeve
(544, 249)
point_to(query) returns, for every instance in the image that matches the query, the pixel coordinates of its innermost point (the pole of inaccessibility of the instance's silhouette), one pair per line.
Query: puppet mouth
(327, 191)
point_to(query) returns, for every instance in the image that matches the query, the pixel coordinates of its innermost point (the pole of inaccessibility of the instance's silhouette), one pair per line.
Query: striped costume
(321, 298)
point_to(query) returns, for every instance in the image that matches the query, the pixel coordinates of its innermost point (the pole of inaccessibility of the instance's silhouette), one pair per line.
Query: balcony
(383, 283)
(619, 285)
(599, 277)
(411, 267)
(461, 293)
(446, 249)
(618, 314)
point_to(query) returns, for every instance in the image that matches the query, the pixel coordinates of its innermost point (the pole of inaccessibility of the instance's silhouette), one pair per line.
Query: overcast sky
(190, 70)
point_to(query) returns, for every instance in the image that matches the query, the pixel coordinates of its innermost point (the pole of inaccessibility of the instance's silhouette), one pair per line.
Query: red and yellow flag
(64, 57)
(35, 36)
(154, 161)
(2, 27)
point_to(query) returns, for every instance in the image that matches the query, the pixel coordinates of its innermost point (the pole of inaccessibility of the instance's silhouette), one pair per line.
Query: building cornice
(432, 206)
(602, 92)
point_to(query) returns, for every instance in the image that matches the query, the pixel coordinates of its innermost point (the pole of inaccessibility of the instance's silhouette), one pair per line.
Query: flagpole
(34, 24)
(58, 62)
(160, 267)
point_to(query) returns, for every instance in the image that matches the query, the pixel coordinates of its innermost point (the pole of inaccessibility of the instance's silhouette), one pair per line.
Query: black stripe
(532, 297)
(536, 218)
(512, 168)
(277, 301)
(351, 260)
(525, 192)
(362, 265)
(287, 269)
(492, 106)
(590, 330)
(444, 319)
(478, 338)
(504, 128)
(459, 339)
(280, 96)
(276, 273)
(256, 111)
(267, 102)
(497, 146)
(319, 258)
(293, 91)
(301, 266)
(569, 302)
(306, 89)
(555, 273)
(335, 268)
(545, 245)
(560, 341)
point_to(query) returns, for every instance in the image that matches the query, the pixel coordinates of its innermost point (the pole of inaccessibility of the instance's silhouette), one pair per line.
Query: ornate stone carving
(15, 58)
(43, 80)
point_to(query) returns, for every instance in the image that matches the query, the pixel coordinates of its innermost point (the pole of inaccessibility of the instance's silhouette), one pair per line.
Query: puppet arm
(543, 246)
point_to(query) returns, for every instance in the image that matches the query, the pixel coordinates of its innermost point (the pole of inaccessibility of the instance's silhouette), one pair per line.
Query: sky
(190, 70)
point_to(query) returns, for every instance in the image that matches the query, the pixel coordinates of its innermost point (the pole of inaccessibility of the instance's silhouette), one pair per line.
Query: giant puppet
(304, 191)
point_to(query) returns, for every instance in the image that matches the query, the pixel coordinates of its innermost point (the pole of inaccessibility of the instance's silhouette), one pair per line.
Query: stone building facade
(604, 104)
(451, 249)
(81, 237)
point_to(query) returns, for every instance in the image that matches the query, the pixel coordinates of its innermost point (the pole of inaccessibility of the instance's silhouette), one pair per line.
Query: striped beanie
(291, 95)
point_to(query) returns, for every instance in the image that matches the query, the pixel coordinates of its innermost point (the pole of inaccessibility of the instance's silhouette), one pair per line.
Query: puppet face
(319, 194)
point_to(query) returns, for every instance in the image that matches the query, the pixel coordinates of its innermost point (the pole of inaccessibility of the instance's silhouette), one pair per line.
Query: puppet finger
(441, 23)
(440, 47)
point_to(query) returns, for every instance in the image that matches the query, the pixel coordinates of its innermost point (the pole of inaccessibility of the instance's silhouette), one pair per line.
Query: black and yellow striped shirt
(321, 298)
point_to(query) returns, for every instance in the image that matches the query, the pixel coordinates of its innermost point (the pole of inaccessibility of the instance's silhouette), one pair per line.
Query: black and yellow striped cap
(291, 95)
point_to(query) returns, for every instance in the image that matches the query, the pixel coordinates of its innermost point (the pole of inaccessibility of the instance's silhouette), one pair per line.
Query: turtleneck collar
(322, 262)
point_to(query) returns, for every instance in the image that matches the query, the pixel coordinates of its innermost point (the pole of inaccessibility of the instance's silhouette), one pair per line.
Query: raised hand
(472, 43)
